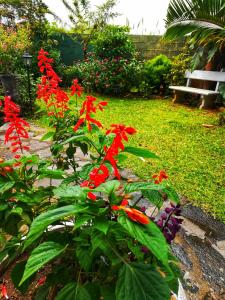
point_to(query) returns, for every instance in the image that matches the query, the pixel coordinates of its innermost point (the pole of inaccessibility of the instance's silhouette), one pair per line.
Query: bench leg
(207, 101)
(178, 97)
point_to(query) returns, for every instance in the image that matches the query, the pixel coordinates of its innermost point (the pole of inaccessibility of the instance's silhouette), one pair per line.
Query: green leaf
(71, 192)
(48, 173)
(5, 186)
(3, 207)
(108, 292)
(155, 197)
(84, 257)
(73, 291)
(142, 186)
(102, 224)
(172, 194)
(108, 187)
(140, 152)
(148, 235)
(42, 221)
(81, 220)
(16, 276)
(47, 136)
(40, 256)
(138, 281)
(76, 138)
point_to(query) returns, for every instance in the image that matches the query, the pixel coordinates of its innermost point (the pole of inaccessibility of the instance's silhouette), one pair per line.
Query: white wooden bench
(207, 96)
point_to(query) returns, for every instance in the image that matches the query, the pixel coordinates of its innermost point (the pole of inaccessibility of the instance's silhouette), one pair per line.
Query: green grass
(192, 155)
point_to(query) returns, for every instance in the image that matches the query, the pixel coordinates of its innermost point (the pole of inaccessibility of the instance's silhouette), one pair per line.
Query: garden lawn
(191, 154)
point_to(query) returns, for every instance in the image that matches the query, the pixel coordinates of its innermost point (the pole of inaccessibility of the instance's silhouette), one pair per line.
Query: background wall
(152, 45)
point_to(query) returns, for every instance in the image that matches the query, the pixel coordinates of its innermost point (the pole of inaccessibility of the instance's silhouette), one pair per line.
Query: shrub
(69, 73)
(180, 64)
(114, 42)
(156, 72)
(13, 43)
(113, 67)
(113, 76)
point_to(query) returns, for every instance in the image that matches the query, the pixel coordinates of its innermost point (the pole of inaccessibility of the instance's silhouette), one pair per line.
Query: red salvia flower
(121, 133)
(133, 214)
(88, 108)
(55, 98)
(160, 177)
(16, 130)
(96, 177)
(4, 291)
(76, 88)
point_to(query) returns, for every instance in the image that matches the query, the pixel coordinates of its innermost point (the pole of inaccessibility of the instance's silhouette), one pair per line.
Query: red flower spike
(88, 108)
(121, 132)
(76, 88)
(16, 129)
(49, 90)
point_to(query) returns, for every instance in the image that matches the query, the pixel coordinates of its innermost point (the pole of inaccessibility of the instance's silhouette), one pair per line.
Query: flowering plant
(88, 235)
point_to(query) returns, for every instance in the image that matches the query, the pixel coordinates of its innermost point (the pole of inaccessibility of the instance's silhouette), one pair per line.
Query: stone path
(200, 245)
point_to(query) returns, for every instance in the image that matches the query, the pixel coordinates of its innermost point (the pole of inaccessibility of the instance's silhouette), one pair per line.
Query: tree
(201, 21)
(88, 22)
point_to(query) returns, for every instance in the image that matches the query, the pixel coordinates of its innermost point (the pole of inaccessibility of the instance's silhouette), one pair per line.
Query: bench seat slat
(188, 89)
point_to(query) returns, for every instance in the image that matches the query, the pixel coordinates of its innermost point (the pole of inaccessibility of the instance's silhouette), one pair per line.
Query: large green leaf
(73, 291)
(140, 152)
(5, 186)
(155, 197)
(138, 281)
(17, 274)
(40, 256)
(84, 257)
(102, 224)
(142, 186)
(48, 135)
(71, 192)
(108, 187)
(42, 221)
(148, 235)
(48, 173)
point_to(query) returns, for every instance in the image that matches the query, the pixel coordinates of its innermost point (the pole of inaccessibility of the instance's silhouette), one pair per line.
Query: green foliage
(88, 22)
(134, 282)
(201, 21)
(114, 42)
(69, 73)
(180, 64)
(12, 45)
(156, 72)
(114, 76)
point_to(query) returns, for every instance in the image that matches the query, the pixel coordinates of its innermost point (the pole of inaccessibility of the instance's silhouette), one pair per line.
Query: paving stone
(212, 226)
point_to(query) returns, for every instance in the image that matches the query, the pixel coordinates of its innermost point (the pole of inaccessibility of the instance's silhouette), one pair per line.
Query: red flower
(99, 175)
(4, 291)
(159, 178)
(76, 88)
(49, 90)
(132, 213)
(16, 129)
(88, 108)
(121, 132)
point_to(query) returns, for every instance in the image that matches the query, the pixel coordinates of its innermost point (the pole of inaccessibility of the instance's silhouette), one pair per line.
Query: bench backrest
(205, 75)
